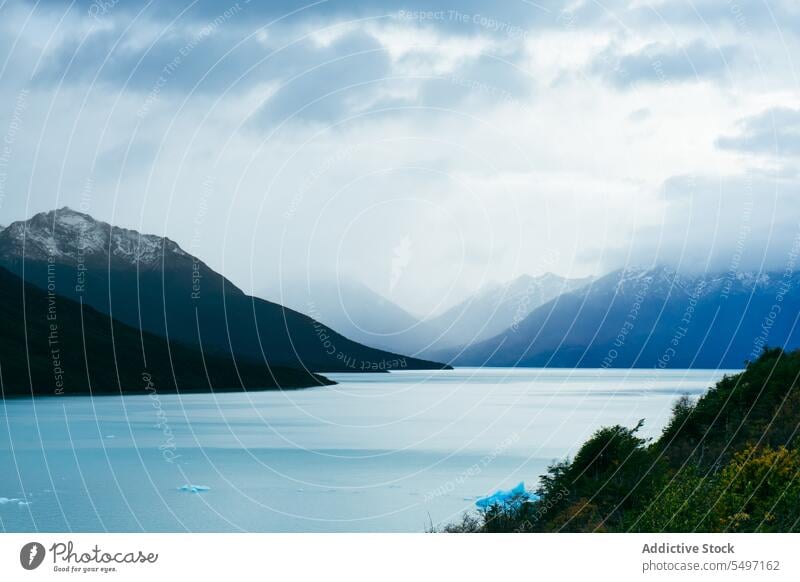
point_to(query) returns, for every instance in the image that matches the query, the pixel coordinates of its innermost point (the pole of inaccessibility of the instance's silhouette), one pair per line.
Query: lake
(377, 452)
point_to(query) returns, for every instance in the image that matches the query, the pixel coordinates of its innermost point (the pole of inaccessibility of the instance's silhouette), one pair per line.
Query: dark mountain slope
(50, 345)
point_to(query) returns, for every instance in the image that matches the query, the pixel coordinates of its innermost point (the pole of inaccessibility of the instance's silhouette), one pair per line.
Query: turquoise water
(377, 452)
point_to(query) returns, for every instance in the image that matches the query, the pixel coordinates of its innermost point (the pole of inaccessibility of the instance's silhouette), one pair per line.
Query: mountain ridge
(150, 283)
(51, 234)
(655, 317)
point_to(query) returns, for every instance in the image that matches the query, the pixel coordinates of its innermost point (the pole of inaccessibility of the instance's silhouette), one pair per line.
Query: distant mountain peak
(497, 307)
(73, 237)
(527, 282)
(652, 316)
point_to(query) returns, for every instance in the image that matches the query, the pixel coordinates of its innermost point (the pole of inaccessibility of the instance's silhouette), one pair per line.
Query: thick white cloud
(470, 146)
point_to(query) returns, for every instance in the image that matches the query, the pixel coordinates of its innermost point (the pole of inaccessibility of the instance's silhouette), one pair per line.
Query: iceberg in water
(513, 497)
(193, 488)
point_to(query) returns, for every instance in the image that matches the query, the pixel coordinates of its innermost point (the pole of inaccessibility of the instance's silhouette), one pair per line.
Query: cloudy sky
(424, 147)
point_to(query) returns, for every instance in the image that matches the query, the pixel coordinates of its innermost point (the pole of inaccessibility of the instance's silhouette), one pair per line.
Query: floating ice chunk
(194, 488)
(512, 497)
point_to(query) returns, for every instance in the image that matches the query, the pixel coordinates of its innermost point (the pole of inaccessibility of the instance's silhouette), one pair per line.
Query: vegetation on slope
(729, 462)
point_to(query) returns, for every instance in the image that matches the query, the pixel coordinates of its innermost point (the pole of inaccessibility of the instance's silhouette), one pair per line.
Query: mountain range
(149, 283)
(651, 318)
(648, 318)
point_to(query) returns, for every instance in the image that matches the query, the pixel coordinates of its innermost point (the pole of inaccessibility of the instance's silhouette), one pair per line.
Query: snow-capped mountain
(662, 280)
(652, 318)
(70, 237)
(149, 282)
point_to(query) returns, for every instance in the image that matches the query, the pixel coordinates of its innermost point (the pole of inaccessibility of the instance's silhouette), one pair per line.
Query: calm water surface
(377, 452)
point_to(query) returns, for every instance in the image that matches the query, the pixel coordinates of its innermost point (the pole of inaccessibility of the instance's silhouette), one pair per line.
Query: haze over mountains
(150, 283)
(367, 317)
(355, 311)
(498, 307)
